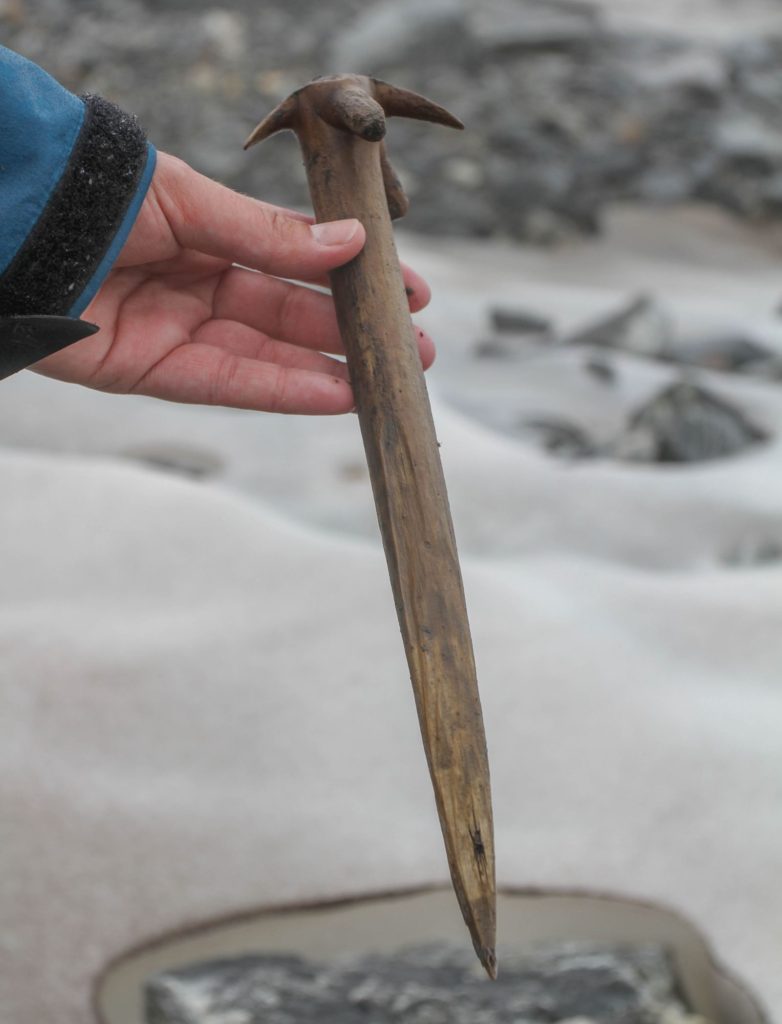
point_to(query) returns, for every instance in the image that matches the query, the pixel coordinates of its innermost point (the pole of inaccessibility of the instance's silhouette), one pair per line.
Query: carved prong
(281, 118)
(398, 203)
(402, 103)
(353, 110)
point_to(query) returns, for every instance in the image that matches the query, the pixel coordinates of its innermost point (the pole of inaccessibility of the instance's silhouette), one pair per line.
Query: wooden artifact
(341, 123)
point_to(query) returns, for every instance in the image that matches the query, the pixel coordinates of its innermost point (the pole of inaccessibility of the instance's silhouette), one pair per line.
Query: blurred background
(569, 104)
(610, 147)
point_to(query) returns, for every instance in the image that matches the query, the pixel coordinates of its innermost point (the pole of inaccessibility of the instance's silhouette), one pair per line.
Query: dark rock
(519, 321)
(494, 348)
(183, 460)
(685, 68)
(548, 228)
(743, 137)
(641, 328)
(464, 172)
(524, 25)
(751, 552)
(670, 184)
(390, 33)
(427, 985)
(559, 437)
(728, 352)
(601, 369)
(755, 64)
(685, 423)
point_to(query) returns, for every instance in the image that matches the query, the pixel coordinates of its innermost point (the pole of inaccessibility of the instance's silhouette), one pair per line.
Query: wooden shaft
(346, 180)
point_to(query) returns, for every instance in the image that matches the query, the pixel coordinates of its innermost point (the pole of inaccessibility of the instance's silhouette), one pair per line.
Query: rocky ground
(682, 421)
(568, 104)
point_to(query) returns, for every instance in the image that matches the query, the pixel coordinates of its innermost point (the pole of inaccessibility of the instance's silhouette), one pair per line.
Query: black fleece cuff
(84, 212)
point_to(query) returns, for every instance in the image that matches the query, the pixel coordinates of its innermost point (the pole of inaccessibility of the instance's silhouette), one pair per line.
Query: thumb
(210, 218)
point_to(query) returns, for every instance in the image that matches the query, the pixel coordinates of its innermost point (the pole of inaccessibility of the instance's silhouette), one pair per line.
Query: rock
(743, 136)
(522, 25)
(773, 194)
(601, 369)
(442, 208)
(13, 12)
(519, 321)
(729, 353)
(751, 552)
(665, 184)
(225, 32)
(766, 369)
(685, 423)
(559, 437)
(642, 328)
(184, 460)
(393, 33)
(548, 228)
(635, 445)
(686, 67)
(426, 985)
(755, 66)
(494, 348)
(465, 172)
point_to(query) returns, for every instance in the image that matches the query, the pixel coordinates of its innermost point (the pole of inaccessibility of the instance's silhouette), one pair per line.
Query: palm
(178, 320)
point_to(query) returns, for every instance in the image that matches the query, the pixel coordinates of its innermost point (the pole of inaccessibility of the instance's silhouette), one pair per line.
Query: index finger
(212, 219)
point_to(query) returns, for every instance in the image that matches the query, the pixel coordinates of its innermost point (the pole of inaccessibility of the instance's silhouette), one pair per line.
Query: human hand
(179, 321)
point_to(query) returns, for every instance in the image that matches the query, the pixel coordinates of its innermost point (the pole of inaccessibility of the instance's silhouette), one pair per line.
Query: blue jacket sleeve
(73, 174)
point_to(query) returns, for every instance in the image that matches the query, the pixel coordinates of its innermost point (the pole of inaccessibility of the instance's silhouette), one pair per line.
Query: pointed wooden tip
(480, 920)
(488, 958)
(281, 118)
(398, 102)
(470, 850)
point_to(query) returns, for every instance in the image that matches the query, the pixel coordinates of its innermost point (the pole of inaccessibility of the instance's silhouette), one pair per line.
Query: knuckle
(288, 311)
(278, 390)
(285, 232)
(223, 383)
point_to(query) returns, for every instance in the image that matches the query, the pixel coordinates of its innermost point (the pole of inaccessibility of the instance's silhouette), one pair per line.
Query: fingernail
(335, 232)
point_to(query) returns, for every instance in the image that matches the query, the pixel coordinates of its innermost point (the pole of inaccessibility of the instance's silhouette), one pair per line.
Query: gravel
(565, 112)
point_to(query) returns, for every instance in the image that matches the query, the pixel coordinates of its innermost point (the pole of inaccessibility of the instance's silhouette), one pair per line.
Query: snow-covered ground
(205, 706)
